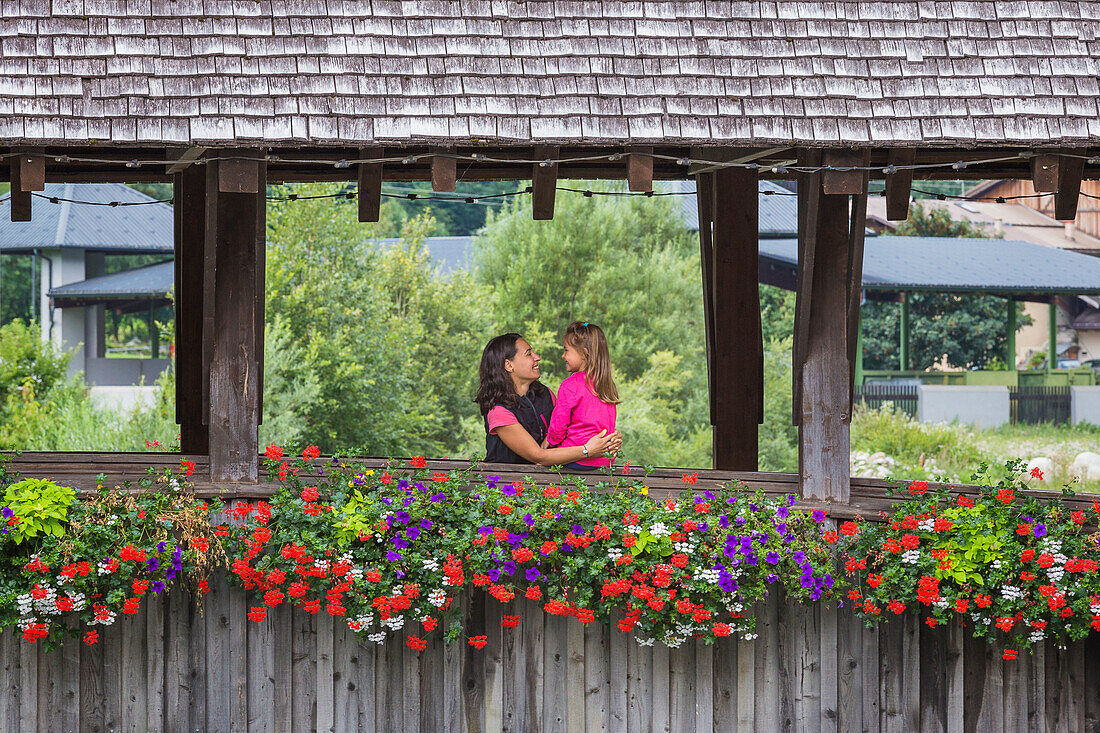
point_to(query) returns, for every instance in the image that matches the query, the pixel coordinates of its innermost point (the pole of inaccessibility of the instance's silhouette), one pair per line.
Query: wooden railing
(176, 668)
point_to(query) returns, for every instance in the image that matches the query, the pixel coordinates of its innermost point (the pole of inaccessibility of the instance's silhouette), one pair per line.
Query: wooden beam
(738, 364)
(899, 184)
(1070, 172)
(844, 181)
(809, 197)
(821, 369)
(856, 231)
(544, 183)
(189, 210)
(235, 235)
(27, 173)
(370, 185)
(239, 171)
(704, 196)
(444, 173)
(184, 157)
(639, 169)
(1044, 172)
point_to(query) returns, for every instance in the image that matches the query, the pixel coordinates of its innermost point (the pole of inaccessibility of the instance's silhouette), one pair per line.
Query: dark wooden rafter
(899, 184)
(544, 182)
(1044, 172)
(737, 380)
(27, 169)
(444, 172)
(192, 363)
(370, 185)
(639, 169)
(235, 239)
(1070, 172)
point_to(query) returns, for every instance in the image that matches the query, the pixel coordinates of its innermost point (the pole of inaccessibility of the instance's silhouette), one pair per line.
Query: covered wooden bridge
(222, 99)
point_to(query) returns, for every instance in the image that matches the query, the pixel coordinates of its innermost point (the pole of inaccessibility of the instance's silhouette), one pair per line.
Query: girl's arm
(521, 442)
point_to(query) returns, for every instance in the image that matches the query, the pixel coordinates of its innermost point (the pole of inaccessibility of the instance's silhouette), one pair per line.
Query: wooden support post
(1052, 335)
(27, 171)
(235, 237)
(1010, 350)
(856, 231)
(823, 362)
(192, 362)
(1070, 172)
(544, 183)
(444, 173)
(704, 195)
(903, 333)
(737, 379)
(639, 169)
(370, 185)
(899, 184)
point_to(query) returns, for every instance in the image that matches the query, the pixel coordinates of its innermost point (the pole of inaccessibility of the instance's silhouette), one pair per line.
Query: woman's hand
(602, 442)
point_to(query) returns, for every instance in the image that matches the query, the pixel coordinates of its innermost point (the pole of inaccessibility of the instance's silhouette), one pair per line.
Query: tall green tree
(966, 329)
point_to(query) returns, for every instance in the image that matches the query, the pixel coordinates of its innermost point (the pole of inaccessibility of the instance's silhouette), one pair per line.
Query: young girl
(587, 398)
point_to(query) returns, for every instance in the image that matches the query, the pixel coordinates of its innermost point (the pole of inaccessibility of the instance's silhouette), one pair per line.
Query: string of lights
(495, 198)
(778, 169)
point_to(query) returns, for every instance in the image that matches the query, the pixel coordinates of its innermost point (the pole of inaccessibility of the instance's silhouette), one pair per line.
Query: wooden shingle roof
(358, 71)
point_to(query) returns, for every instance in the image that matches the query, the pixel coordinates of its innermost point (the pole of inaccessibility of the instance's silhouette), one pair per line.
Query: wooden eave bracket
(370, 185)
(184, 157)
(239, 171)
(444, 172)
(1045, 172)
(1070, 172)
(639, 169)
(544, 182)
(843, 181)
(899, 184)
(27, 171)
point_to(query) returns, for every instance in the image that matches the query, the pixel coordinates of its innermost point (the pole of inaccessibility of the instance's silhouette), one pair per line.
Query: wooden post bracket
(370, 185)
(544, 182)
(444, 172)
(1070, 172)
(27, 170)
(899, 183)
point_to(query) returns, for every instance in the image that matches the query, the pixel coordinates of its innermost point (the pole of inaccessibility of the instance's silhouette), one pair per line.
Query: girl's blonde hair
(588, 338)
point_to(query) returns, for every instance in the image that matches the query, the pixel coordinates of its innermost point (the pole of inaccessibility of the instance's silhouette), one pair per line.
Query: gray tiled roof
(777, 209)
(353, 71)
(146, 229)
(962, 265)
(149, 282)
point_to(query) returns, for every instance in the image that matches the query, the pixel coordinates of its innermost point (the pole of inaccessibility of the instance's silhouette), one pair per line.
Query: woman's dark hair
(496, 386)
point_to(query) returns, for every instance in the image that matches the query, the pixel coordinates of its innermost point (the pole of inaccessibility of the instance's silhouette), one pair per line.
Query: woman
(517, 409)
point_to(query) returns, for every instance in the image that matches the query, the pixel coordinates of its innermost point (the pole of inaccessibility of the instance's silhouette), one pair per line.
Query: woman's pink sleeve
(499, 416)
(562, 415)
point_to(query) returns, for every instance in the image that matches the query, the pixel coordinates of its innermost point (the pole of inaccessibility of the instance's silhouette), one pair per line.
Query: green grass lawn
(888, 443)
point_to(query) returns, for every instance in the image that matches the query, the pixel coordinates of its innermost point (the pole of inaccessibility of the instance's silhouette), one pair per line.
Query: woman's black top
(532, 410)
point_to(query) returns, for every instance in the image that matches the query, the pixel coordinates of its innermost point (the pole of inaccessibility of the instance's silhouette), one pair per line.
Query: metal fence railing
(1039, 404)
(875, 394)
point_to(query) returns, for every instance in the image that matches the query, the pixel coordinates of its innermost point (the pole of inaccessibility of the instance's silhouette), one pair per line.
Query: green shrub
(41, 507)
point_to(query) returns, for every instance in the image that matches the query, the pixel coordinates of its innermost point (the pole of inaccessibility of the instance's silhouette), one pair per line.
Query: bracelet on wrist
(584, 449)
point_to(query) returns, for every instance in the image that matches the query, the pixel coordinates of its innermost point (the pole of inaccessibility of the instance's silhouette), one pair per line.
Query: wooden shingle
(828, 72)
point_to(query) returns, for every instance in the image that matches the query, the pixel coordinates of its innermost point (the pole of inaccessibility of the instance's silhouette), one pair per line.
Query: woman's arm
(521, 442)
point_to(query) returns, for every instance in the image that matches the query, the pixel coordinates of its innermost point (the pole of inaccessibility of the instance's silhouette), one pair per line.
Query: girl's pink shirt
(578, 415)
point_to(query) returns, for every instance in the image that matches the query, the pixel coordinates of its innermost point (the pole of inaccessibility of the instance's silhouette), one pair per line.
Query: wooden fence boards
(173, 667)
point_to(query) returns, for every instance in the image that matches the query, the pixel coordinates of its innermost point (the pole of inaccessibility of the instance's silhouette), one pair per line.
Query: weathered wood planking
(175, 668)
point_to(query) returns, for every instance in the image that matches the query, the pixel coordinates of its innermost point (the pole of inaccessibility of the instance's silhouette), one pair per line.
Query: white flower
(614, 554)
(910, 557)
(437, 597)
(660, 529)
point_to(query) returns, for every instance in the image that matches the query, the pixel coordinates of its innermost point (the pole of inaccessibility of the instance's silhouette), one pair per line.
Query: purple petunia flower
(781, 527)
(412, 532)
(782, 512)
(7, 512)
(158, 587)
(494, 574)
(425, 524)
(807, 581)
(709, 494)
(1040, 530)
(790, 499)
(533, 574)
(739, 521)
(402, 484)
(402, 517)
(436, 498)
(509, 567)
(393, 556)
(799, 556)
(492, 481)
(152, 564)
(819, 516)
(399, 543)
(528, 518)
(772, 577)
(577, 529)
(161, 546)
(772, 557)
(724, 521)
(509, 490)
